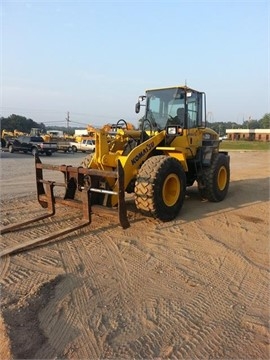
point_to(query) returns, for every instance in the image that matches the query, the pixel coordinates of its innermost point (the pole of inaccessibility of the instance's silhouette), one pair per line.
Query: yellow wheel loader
(171, 150)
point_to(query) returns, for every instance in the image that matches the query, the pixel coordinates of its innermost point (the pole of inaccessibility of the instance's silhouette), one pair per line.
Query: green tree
(251, 124)
(20, 123)
(265, 121)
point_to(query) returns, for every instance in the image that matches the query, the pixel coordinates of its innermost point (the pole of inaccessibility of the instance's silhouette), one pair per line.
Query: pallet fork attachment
(73, 180)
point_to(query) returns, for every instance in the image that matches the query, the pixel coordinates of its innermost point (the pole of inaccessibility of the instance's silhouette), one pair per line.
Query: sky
(93, 59)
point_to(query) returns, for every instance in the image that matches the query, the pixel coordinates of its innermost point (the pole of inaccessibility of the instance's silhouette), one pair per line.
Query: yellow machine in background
(6, 133)
(18, 133)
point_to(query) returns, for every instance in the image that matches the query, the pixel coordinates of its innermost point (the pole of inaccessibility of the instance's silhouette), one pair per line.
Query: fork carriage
(78, 192)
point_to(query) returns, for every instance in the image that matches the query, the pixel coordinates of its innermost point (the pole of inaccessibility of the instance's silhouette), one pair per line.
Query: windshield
(165, 106)
(36, 139)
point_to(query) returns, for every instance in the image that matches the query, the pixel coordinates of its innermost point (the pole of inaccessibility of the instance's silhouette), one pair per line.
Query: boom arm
(133, 161)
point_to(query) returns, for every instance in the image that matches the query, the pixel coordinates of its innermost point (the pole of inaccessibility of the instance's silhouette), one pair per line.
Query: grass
(244, 145)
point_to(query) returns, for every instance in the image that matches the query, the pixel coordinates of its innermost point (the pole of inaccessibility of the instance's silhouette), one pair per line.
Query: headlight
(172, 130)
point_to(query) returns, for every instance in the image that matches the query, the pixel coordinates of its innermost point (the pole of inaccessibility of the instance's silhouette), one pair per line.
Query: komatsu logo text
(142, 153)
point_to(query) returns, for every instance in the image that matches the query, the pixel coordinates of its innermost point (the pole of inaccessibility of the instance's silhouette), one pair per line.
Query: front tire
(160, 187)
(216, 179)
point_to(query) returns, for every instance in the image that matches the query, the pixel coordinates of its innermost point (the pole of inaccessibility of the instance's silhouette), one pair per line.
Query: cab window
(194, 101)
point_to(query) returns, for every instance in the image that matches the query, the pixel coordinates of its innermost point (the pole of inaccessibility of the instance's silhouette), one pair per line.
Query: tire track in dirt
(220, 300)
(218, 295)
(47, 262)
(115, 294)
(23, 272)
(155, 310)
(220, 280)
(4, 267)
(79, 299)
(58, 319)
(129, 315)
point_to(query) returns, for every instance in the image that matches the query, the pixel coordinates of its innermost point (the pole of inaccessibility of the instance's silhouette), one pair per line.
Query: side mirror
(137, 107)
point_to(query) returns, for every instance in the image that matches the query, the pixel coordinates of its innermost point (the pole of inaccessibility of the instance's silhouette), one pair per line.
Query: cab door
(194, 105)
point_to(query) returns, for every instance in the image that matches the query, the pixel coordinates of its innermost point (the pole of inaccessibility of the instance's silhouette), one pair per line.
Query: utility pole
(67, 118)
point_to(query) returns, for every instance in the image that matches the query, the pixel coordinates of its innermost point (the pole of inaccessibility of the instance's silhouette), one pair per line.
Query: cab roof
(183, 87)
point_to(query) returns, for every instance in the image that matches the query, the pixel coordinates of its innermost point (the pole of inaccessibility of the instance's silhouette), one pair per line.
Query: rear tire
(74, 149)
(216, 179)
(95, 198)
(160, 187)
(10, 149)
(87, 160)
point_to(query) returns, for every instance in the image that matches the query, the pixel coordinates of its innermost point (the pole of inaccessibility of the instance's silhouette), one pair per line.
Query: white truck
(84, 145)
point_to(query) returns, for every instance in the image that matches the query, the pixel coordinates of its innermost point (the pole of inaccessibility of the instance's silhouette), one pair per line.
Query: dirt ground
(193, 288)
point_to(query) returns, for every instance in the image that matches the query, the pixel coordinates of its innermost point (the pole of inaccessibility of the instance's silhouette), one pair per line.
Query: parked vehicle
(3, 143)
(33, 144)
(64, 146)
(84, 145)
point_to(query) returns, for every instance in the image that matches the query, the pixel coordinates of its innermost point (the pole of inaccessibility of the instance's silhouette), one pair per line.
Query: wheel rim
(171, 190)
(222, 178)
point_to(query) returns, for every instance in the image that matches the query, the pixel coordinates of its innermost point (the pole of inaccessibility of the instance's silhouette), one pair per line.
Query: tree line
(220, 127)
(24, 125)
(20, 123)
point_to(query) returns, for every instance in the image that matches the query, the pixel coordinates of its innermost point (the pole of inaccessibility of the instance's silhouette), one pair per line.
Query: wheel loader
(171, 150)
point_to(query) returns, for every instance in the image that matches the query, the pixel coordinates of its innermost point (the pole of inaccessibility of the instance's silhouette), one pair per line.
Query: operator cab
(175, 106)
